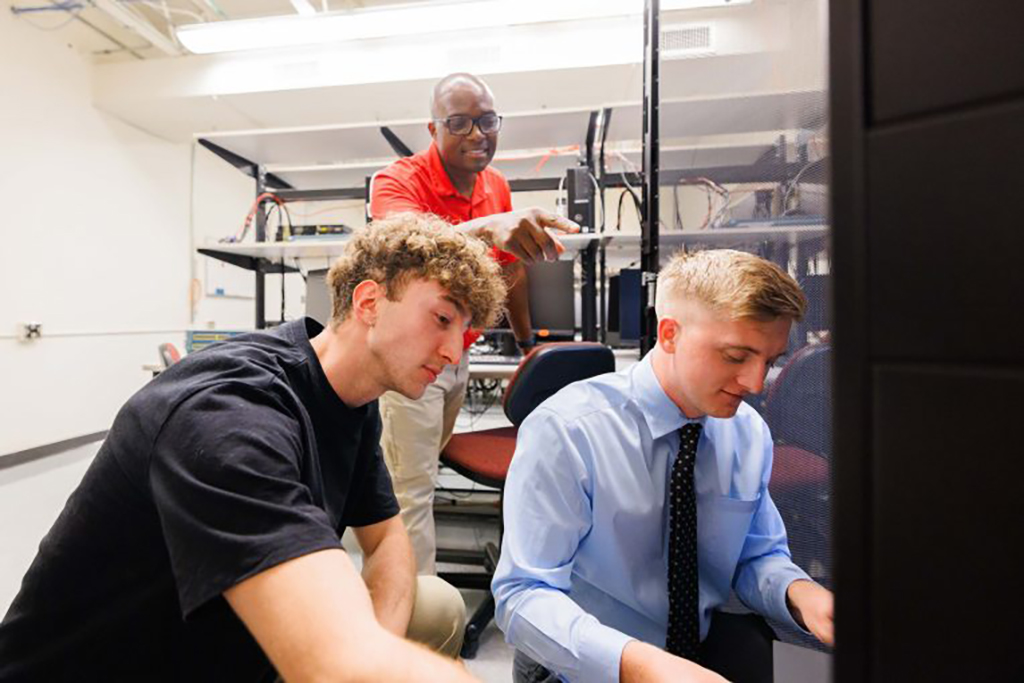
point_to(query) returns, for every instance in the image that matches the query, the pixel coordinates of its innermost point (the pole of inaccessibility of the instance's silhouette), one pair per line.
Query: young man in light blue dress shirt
(582, 584)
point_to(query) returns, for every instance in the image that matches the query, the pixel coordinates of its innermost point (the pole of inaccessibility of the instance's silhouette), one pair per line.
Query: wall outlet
(29, 331)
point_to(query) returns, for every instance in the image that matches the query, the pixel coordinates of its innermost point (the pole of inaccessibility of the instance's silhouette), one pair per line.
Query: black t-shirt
(236, 459)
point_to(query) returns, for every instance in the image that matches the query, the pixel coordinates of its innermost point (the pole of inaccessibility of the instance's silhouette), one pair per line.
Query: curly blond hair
(406, 246)
(731, 283)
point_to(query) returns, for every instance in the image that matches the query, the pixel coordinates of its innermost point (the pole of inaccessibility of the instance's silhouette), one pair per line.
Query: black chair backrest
(799, 404)
(550, 367)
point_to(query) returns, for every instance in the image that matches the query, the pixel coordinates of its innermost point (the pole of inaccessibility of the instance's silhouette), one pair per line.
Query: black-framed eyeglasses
(460, 124)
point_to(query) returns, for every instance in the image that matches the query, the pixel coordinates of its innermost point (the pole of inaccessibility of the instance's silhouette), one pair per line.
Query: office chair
(798, 404)
(797, 411)
(168, 356)
(484, 456)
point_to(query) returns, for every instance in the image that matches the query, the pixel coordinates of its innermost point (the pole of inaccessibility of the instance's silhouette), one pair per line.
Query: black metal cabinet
(927, 138)
(928, 55)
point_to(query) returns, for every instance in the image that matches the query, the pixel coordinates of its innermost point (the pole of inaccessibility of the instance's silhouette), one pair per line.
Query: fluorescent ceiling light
(419, 19)
(670, 5)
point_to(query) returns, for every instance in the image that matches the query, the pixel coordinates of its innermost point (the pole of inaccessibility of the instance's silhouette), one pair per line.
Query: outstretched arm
(765, 569)
(812, 606)
(315, 621)
(389, 570)
(645, 663)
(523, 233)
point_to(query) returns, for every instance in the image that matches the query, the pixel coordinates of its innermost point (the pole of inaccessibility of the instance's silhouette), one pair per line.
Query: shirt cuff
(779, 605)
(601, 653)
(503, 257)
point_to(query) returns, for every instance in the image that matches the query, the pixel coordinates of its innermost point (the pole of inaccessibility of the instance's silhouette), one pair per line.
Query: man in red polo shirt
(452, 179)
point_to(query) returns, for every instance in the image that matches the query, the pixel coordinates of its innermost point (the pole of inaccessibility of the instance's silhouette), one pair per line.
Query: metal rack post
(261, 236)
(649, 261)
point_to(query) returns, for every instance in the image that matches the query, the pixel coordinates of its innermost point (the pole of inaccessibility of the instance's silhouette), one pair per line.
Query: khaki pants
(438, 616)
(414, 434)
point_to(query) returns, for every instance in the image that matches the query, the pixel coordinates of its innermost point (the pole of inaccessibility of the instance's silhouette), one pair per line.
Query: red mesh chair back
(169, 354)
(484, 456)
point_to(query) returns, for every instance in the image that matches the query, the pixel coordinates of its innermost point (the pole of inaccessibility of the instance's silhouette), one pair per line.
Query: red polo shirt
(419, 183)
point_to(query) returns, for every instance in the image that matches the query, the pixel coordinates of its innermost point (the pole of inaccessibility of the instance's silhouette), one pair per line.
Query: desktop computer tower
(623, 318)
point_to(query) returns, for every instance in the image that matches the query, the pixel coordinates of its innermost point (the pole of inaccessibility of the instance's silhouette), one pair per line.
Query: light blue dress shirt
(584, 561)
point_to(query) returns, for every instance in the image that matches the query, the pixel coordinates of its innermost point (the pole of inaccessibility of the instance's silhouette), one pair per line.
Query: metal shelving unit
(335, 163)
(540, 151)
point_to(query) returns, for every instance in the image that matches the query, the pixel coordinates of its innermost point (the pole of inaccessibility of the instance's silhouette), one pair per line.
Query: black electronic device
(579, 205)
(624, 308)
(552, 300)
(319, 230)
(552, 297)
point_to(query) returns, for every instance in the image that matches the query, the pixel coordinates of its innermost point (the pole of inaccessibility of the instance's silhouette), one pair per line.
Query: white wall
(94, 244)
(31, 497)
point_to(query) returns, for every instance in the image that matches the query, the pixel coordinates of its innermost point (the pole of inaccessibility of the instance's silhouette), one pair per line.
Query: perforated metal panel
(773, 94)
(681, 39)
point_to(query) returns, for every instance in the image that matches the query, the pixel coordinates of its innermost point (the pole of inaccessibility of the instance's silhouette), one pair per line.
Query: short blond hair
(733, 284)
(406, 246)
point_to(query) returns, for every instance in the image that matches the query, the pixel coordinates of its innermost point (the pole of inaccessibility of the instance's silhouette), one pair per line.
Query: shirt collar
(439, 177)
(663, 416)
(326, 399)
(479, 191)
(443, 184)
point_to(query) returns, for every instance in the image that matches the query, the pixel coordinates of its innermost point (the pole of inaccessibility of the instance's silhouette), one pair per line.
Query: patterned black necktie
(683, 591)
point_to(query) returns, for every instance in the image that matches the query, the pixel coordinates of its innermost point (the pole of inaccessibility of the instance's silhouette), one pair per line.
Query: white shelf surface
(276, 251)
(329, 145)
(331, 157)
(321, 157)
(329, 249)
(326, 250)
(516, 165)
(723, 236)
(724, 115)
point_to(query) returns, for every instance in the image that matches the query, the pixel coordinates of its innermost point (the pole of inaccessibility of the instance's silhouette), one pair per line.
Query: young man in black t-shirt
(204, 541)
